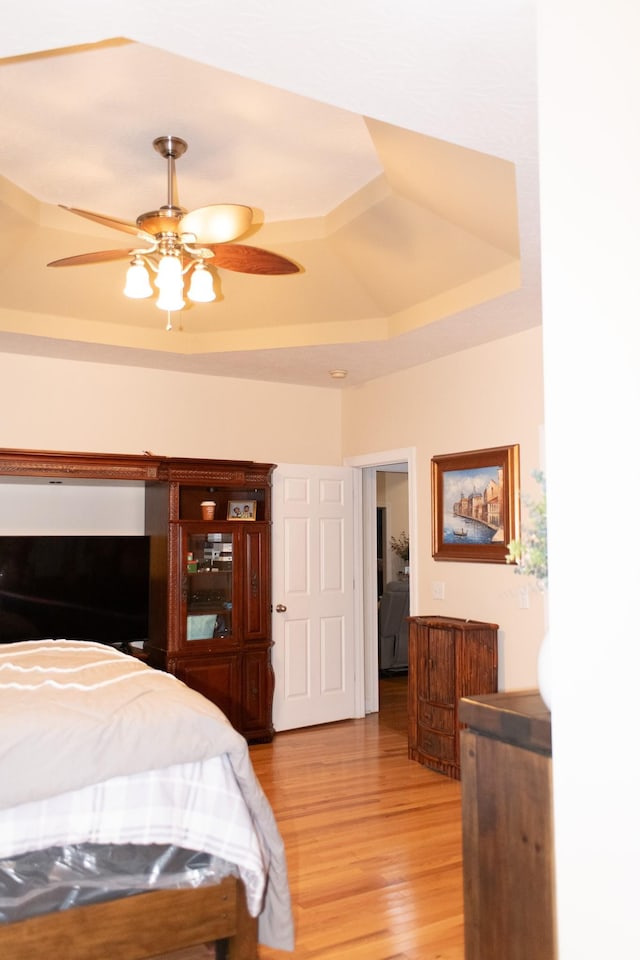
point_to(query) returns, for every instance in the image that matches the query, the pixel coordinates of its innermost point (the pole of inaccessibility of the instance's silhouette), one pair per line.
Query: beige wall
(393, 494)
(65, 405)
(72, 507)
(486, 397)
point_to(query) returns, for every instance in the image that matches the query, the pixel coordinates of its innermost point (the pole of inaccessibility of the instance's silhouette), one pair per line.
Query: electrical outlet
(437, 589)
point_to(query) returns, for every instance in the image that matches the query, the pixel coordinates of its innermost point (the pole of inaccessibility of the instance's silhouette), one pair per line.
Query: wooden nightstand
(507, 823)
(449, 658)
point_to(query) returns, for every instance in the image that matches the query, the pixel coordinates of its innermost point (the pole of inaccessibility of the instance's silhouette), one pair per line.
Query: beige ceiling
(411, 246)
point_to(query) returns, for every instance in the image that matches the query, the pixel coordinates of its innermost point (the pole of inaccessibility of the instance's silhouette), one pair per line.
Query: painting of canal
(473, 505)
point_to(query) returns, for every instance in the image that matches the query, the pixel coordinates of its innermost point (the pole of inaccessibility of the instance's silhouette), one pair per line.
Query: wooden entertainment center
(210, 579)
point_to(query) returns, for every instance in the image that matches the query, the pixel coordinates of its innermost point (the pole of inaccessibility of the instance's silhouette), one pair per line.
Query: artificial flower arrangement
(529, 553)
(400, 546)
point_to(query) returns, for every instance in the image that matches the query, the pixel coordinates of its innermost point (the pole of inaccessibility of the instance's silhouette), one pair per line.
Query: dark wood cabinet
(209, 578)
(507, 827)
(219, 679)
(257, 693)
(449, 658)
(212, 597)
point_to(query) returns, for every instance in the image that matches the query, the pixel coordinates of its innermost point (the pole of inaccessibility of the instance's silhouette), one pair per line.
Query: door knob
(280, 608)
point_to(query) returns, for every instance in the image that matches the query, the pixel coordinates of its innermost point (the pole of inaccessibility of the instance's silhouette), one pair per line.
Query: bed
(131, 821)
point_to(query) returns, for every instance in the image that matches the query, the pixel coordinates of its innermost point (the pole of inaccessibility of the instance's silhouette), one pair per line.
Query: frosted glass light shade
(137, 285)
(169, 273)
(170, 283)
(201, 287)
(170, 300)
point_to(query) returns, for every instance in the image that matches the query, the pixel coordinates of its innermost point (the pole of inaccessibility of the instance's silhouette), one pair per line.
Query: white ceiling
(393, 157)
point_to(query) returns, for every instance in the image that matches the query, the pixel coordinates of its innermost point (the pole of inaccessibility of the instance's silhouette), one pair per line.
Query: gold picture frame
(241, 509)
(475, 504)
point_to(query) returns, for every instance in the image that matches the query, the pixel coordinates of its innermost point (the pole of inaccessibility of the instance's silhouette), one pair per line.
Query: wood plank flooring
(373, 841)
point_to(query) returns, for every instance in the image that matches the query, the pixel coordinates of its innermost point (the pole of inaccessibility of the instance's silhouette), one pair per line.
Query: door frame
(365, 565)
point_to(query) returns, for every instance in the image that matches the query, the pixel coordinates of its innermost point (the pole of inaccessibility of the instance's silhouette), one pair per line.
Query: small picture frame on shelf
(241, 510)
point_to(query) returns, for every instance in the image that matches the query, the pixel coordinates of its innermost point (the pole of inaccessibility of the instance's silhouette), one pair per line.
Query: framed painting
(475, 504)
(241, 510)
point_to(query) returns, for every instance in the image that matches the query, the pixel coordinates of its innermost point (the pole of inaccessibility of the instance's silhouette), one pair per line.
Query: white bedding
(196, 806)
(97, 747)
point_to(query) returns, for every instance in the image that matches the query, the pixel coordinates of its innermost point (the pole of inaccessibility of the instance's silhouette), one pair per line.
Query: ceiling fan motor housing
(162, 222)
(173, 147)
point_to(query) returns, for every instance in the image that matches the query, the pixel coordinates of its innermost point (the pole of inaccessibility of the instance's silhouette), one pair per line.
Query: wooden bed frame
(140, 926)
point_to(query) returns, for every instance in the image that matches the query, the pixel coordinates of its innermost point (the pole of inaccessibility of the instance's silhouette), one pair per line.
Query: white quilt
(96, 746)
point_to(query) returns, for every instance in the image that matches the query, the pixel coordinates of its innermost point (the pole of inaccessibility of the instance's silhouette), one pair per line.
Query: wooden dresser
(449, 658)
(507, 824)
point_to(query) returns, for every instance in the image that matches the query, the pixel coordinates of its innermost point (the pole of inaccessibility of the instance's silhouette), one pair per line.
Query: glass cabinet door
(208, 559)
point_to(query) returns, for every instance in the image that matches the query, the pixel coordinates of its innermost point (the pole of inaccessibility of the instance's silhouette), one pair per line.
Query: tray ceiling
(413, 245)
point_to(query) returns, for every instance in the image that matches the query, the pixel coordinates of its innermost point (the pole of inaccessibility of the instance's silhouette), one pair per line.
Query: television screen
(74, 587)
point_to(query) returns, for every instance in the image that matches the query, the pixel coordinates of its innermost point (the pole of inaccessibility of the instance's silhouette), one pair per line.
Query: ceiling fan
(179, 242)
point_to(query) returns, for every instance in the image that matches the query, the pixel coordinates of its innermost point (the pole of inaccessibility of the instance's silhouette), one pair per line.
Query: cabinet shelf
(208, 606)
(191, 497)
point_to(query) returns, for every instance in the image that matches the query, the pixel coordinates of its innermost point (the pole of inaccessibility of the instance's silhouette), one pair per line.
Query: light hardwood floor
(373, 841)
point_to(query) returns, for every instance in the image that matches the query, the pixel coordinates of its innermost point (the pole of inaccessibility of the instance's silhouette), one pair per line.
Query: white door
(313, 595)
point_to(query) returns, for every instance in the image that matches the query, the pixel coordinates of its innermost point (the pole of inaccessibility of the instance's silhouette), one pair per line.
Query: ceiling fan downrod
(171, 148)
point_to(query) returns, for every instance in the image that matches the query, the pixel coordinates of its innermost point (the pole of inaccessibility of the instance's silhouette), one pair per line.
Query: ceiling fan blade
(217, 223)
(244, 259)
(113, 222)
(100, 257)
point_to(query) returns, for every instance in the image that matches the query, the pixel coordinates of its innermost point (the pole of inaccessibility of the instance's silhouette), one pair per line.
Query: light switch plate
(437, 589)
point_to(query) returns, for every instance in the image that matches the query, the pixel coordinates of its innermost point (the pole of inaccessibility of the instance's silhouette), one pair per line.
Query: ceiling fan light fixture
(169, 273)
(137, 285)
(181, 241)
(170, 300)
(170, 284)
(201, 286)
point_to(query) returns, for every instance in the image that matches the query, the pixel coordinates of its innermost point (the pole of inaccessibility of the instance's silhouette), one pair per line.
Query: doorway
(392, 461)
(392, 549)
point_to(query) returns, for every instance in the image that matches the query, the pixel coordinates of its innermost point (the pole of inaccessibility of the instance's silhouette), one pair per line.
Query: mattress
(98, 748)
(195, 806)
(45, 881)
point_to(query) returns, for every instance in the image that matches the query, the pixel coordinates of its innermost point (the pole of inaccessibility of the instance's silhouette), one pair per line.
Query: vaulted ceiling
(415, 238)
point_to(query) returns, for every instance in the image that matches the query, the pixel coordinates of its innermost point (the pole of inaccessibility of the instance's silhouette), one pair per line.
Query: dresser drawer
(436, 718)
(436, 744)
